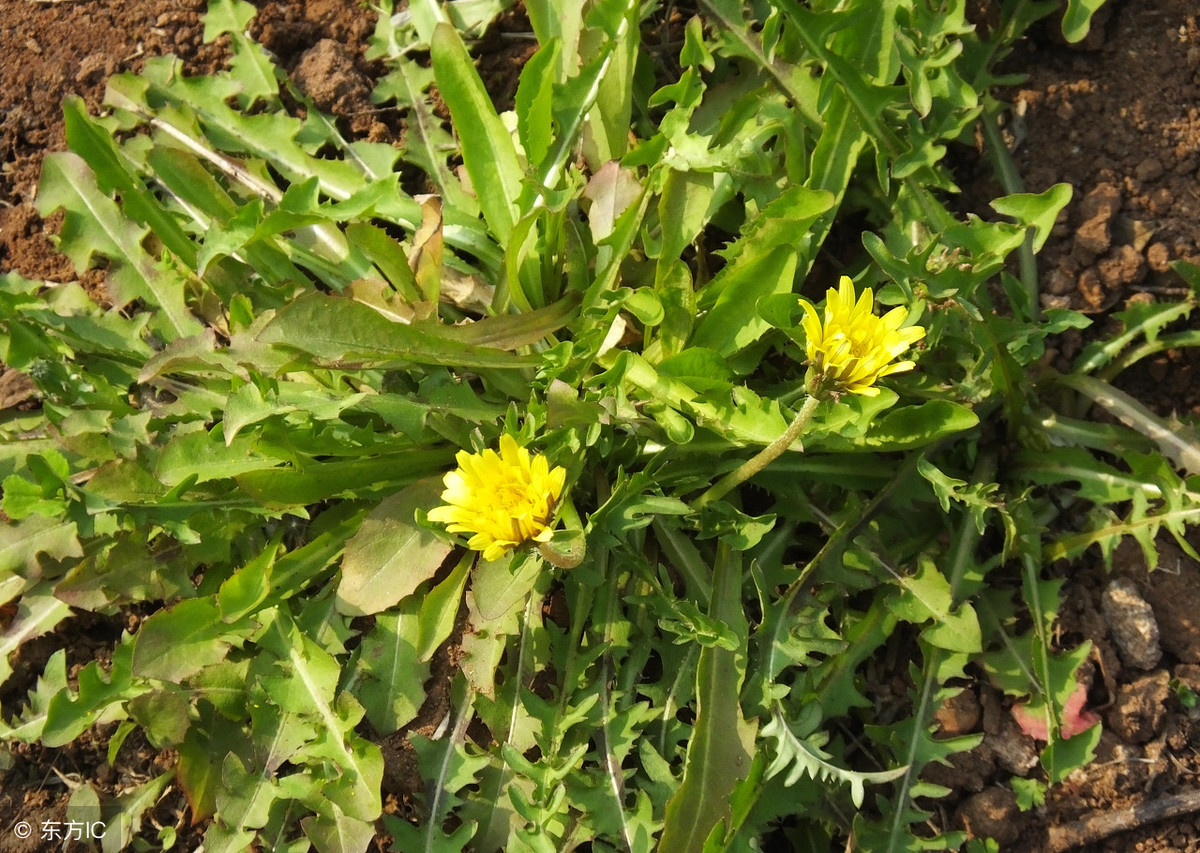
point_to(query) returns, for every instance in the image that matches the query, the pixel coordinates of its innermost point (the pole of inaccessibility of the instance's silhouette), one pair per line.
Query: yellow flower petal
(504, 499)
(850, 349)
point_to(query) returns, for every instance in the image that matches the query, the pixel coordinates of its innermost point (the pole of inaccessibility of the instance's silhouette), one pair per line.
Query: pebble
(1061, 282)
(1103, 200)
(1094, 236)
(1159, 257)
(992, 814)
(1148, 169)
(959, 714)
(1131, 624)
(1015, 751)
(1122, 266)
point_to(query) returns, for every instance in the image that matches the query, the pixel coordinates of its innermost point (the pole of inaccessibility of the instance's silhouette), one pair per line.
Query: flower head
(851, 349)
(504, 499)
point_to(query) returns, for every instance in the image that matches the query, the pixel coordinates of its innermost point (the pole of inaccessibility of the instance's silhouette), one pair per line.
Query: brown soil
(1119, 119)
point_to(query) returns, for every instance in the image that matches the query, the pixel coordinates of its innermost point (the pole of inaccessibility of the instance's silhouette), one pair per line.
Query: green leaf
(761, 262)
(391, 556)
(305, 682)
(926, 596)
(722, 742)
(93, 225)
(250, 65)
(209, 740)
(95, 145)
(512, 331)
(28, 725)
(392, 685)
(802, 758)
(487, 148)
(38, 612)
(129, 807)
(733, 323)
(1039, 210)
(173, 644)
(342, 332)
(226, 16)
(439, 609)
(21, 543)
(163, 716)
(207, 456)
(427, 142)
(247, 588)
(1077, 20)
(534, 100)
(1176, 442)
(906, 428)
(244, 797)
(339, 834)
(364, 477)
(99, 698)
(686, 205)
(448, 769)
(613, 33)
(501, 585)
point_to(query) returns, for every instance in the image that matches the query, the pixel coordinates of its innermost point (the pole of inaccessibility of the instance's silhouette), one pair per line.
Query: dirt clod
(959, 714)
(1172, 595)
(992, 813)
(1140, 707)
(1094, 236)
(326, 74)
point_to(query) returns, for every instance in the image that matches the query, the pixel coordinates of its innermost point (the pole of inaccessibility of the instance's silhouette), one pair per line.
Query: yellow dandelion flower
(504, 499)
(852, 349)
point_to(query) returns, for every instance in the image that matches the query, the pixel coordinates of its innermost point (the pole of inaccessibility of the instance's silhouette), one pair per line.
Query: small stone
(1148, 169)
(959, 714)
(1140, 707)
(1159, 257)
(1132, 624)
(1160, 201)
(1124, 265)
(1094, 236)
(1049, 300)
(1091, 289)
(1104, 200)
(992, 814)
(1061, 282)
(1015, 751)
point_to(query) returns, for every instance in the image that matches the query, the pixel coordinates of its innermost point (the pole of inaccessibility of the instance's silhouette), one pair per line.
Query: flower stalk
(764, 457)
(849, 350)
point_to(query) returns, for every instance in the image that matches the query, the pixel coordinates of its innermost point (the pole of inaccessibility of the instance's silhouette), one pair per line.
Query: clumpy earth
(1118, 118)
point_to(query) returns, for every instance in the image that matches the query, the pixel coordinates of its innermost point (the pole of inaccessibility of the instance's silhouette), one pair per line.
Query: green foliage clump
(247, 440)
